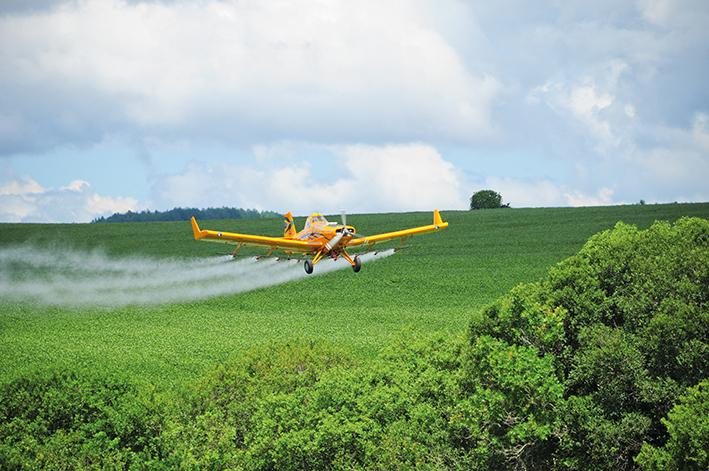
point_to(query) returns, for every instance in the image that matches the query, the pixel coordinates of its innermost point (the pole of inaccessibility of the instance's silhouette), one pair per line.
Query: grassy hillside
(436, 285)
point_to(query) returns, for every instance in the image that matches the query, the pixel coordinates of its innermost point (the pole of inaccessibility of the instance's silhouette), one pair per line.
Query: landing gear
(355, 262)
(357, 266)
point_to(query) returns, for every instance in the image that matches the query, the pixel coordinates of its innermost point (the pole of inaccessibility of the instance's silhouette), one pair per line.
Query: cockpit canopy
(316, 219)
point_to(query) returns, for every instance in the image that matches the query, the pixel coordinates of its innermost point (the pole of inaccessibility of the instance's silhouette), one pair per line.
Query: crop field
(435, 285)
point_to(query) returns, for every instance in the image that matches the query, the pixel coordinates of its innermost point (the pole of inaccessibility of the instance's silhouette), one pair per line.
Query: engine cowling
(333, 243)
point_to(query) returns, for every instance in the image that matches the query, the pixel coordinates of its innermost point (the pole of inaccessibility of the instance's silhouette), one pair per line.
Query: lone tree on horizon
(485, 199)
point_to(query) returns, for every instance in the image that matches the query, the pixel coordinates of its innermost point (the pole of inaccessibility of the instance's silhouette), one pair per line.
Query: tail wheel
(357, 264)
(308, 265)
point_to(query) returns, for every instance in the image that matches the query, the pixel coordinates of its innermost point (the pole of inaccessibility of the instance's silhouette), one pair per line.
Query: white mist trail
(93, 279)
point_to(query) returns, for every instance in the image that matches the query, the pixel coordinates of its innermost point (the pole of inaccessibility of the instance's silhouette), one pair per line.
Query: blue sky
(369, 106)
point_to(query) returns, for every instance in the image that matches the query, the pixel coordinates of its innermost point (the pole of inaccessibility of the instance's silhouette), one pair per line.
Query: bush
(224, 417)
(627, 324)
(66, 421)
(506, 416)
(486, 199)
(688, 427)
(431, 403)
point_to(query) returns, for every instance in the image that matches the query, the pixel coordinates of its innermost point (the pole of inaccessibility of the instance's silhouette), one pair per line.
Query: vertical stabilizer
(195, 229)
(437, 221)
(288, 226)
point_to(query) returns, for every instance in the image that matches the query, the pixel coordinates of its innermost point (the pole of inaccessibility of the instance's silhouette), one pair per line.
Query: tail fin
(195, 229)
(437, 221)
(288, 226)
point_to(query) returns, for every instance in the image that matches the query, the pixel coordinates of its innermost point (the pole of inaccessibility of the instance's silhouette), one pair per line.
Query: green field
(437, 284)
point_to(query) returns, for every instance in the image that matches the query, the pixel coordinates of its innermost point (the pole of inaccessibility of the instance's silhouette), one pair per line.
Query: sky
(368, 106)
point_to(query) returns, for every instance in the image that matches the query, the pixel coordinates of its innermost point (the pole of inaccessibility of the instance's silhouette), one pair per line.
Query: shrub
(506, 416)
(223, 417)
(485, 199)
(688, 427)
(65, 420)
(388, 414)
(627, 324)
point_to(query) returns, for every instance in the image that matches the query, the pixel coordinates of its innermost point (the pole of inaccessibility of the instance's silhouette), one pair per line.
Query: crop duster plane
(318, 239)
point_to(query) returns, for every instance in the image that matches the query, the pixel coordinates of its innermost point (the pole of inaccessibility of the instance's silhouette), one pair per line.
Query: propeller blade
(344, 223)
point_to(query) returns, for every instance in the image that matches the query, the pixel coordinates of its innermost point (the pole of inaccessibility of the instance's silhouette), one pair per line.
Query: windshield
(315, 219)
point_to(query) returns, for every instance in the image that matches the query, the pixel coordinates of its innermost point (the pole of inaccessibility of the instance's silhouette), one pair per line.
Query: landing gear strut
(355, 262)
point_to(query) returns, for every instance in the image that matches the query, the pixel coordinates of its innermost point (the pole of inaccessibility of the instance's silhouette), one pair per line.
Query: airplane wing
(371, 240)
(276, 243)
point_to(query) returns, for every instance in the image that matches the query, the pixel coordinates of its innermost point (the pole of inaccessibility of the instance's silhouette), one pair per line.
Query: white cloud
(372, 179)
(21, 187)
(639, 159)
(603, 197)
(244, 71)
(629, 111)
(414, 177)
(700, 131)
(76, 185)
(656, 11)
(375, 178)
(586, 103)
(520, 193)
(591, 101)
(679, 171)
(686, 16)
(670, 163)
(525, 192)
(98, 205)
(25, 200)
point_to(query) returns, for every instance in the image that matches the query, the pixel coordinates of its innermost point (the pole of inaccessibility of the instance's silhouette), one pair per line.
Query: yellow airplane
(318, 238)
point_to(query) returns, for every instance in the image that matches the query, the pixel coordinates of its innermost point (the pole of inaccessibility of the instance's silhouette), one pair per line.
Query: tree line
(184, 214)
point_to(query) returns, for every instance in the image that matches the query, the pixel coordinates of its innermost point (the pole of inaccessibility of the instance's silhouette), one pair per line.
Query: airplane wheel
(308, 267)
(358, 264)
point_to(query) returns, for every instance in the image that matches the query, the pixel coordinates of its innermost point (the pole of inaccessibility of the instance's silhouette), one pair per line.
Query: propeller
(346, 231)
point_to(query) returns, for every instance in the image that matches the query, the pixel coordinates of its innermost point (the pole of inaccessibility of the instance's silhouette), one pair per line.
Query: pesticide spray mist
(92, 279)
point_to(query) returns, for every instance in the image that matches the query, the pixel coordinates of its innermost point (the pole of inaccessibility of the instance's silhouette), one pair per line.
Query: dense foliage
(485, 199)
(63, 420)
(688, 428)
(602, 364)
(184, 214)
(626, 322)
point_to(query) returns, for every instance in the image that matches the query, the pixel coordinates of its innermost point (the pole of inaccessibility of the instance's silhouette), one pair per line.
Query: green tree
(626, 323)
(486, 199)
(506, 417)
(688, 426)
(63, 420)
